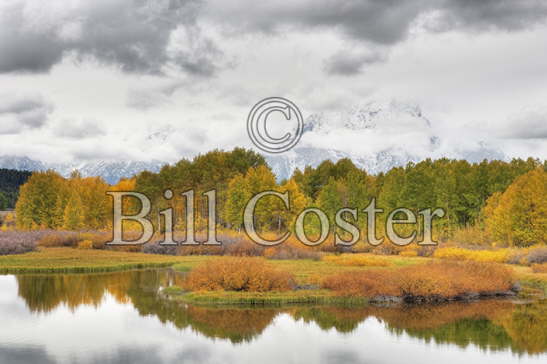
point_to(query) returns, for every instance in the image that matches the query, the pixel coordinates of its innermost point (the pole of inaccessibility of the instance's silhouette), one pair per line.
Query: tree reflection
(492, 325)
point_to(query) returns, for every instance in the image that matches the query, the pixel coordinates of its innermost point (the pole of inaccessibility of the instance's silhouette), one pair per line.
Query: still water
(121, 318)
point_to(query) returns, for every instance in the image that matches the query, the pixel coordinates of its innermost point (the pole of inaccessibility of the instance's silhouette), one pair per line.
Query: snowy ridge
(111, 172)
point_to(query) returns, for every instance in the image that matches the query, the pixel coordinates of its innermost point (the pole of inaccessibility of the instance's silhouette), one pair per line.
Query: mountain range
(376, 136)
(110, 171)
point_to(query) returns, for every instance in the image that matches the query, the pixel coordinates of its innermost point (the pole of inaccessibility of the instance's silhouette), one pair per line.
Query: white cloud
(118, 73)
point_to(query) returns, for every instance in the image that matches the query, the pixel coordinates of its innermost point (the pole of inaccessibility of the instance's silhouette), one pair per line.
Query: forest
(492, 203)
(10, 181)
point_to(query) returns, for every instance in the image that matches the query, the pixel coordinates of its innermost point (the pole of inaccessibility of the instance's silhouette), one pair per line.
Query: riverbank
(313, 296)
(308, 275)
(70, 260)
(242, 281)
(230, 298)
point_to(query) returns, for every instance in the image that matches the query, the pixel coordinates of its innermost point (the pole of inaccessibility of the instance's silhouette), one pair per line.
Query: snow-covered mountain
(111, 172)
(376, 136)
(284, 165)
(21, 163)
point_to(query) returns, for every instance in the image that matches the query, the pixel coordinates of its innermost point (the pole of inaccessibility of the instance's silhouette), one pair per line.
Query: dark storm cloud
(348, 64)
(492, 14)
(379, 21)
(20, 111)
(383, 22)
(132, 34)
(146, 36)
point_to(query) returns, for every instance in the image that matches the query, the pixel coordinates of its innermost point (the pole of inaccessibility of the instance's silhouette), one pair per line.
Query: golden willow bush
(492, 256)
(238, 274)
(447, 279)
(525, 256)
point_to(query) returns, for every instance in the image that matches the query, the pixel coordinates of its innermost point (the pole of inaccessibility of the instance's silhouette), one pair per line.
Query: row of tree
(462, 189)
(50, 201)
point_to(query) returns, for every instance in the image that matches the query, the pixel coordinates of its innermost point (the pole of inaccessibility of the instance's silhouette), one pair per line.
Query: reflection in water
(488, 325)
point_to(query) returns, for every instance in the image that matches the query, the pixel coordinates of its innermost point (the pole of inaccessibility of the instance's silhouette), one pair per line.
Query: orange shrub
(447, 279)
(362, 284)
(539, 268)
(85, 244)
(98, 239)
(238, 274)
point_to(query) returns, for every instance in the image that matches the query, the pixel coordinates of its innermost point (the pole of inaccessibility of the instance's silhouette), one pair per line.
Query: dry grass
(238, 274)
(524, 256)
(491, 256)
(539, 268)
(292, 249)
(446, 279)
(92, 260)
(357, 260)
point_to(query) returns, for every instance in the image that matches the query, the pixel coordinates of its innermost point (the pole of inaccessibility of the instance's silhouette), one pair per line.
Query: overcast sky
(164, 79)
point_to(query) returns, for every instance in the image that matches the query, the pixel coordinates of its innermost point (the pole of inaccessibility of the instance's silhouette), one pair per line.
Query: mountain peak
(372, 115)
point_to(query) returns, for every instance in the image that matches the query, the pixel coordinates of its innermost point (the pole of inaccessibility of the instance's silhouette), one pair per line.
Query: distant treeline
(476, 194)
(10, 181)
(461, 188)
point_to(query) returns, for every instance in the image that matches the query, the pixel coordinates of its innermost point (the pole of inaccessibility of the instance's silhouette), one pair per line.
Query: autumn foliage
(447, 279)
(518, 216)
(238, 274)
(492, 256)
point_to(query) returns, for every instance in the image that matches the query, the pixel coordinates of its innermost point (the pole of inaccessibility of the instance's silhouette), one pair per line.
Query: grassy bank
(534, 284)
(307, 274)
(59, 260)
(312, 272)
(69, 260)
(230, 298)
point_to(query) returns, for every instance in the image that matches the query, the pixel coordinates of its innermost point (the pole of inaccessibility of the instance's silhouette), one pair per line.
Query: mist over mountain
(376, 136)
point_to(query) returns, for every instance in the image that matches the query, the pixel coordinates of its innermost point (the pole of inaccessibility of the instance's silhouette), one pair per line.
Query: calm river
(121, 318)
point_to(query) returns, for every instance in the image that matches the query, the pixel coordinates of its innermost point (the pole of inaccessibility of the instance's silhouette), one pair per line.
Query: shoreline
(307, 273)
(320, 296)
